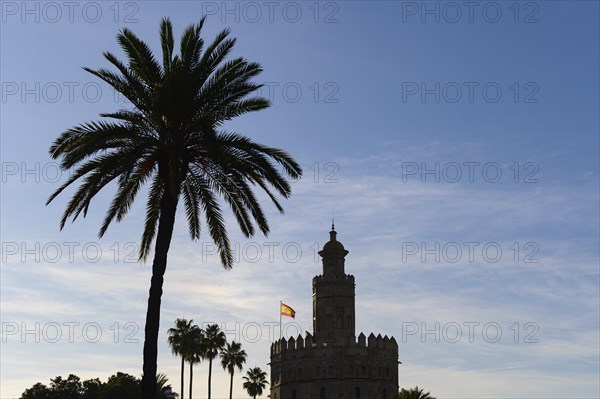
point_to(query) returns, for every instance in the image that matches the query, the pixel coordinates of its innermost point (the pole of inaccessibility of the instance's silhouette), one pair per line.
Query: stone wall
(302, 368)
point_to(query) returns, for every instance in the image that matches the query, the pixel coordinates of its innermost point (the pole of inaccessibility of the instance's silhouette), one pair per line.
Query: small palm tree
(231, 357)
(214, 341)
(179, 341)
(255, 381)
(174, 140)
(196, 352)
(163, 388)
(413, 393)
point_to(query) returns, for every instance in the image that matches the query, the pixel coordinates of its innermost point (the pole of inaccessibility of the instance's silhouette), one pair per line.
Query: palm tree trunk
(209, 373)
(231, 386)
(182, 367)
(166, 222)
(191, 376)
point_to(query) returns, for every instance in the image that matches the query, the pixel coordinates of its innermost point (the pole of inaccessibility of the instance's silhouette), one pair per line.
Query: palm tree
(231, 357)
(255, 381)
(196, 352)
(214, 341)
(413, 393)
(163, 388)
(179, 341)
(174, 139)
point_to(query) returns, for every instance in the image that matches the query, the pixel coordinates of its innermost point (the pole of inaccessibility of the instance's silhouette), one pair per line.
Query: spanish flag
(287, 311)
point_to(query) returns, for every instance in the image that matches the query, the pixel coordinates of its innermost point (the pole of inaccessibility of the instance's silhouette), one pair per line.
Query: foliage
(118, 386)
(232, 356)
(214, 340)
(38, 391)
(255, 381)
(174, 140)
(181, 342)
(413, 393)
(121, 385)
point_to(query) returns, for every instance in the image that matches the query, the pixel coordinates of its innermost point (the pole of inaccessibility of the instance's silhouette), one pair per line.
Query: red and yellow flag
(287, 311)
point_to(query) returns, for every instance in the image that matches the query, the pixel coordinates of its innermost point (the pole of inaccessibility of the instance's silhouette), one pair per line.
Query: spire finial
(332, 220)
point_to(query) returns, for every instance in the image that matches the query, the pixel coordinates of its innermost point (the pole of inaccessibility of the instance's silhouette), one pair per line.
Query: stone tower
(333, 363)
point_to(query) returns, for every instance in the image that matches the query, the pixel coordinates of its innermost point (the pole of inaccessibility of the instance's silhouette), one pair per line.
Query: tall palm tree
(174, 139)
(231, 357)
(413, 393)
(255, 381)
(214, 341)
(179, 341)
(196, 352)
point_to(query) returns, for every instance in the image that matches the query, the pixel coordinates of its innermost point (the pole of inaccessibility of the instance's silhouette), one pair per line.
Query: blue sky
(457, 144)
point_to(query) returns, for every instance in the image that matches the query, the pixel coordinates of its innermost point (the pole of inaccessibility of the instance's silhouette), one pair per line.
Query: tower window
(323, 393)
(357, 393)
(293, 394)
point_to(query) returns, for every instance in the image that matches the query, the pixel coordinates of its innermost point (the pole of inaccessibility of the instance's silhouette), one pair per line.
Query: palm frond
(128, 188)
(152, 216)
(191, 46)
(167, 42)
(141, 59)
(192, 209)
(170, 140)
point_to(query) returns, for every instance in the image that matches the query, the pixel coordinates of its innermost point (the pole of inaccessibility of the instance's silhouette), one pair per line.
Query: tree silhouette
(118, 386)
(413, 393)
(231, 357)
(197, 348)
(180, 342)
(38, 391)
(255, 381)
(174, 140)
(121, 385)
(92, 389)
(214, 341)
(163, 388)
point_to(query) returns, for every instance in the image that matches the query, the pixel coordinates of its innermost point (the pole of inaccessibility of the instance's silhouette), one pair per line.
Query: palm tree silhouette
(414, 393)
(231, 357)
(255, 381)
(179, 341)
(196, 352)
(174, 140)
(214, 341)
(163, 388)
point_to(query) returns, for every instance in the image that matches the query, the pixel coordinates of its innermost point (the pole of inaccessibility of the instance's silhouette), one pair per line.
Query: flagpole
(280, 303)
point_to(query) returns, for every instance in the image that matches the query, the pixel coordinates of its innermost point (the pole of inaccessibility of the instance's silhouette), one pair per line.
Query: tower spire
(333, 295)
(332, 220)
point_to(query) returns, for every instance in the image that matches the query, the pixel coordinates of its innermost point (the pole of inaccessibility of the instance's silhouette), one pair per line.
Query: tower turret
(333, 254)
(333, 296)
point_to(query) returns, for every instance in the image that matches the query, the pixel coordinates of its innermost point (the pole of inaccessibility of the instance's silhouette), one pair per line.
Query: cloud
(376, 214)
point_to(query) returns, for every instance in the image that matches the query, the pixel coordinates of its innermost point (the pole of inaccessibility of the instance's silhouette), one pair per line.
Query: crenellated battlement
(308, 342)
